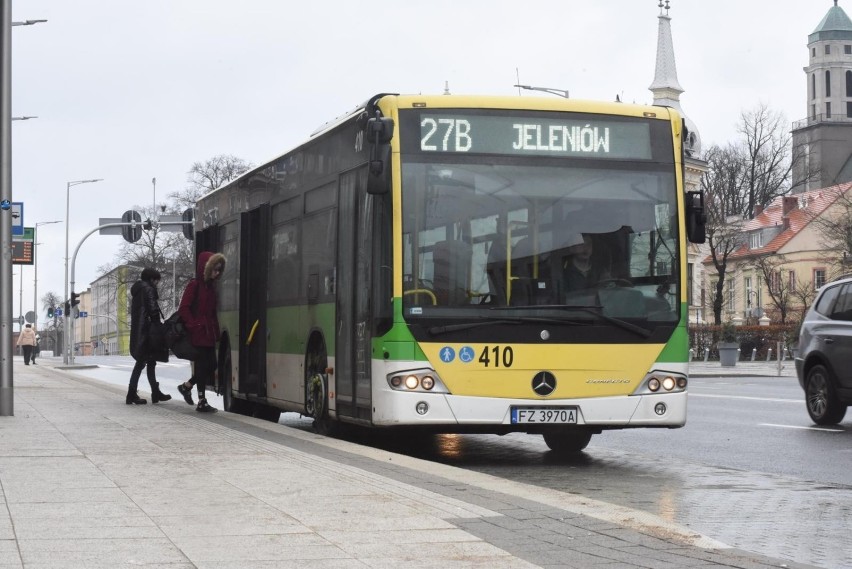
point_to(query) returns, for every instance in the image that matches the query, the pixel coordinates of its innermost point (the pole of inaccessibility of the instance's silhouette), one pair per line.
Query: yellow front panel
(507, 370)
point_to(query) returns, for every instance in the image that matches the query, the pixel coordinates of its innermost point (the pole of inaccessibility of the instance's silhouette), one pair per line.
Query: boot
(187, 393)
(134, 399)
(157, 395)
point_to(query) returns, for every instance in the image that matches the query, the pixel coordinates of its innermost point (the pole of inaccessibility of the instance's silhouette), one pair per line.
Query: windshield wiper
(595, 309)
(436, 330)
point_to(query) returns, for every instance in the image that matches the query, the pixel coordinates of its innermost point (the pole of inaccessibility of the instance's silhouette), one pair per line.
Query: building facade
(109, 316)
(822, 142)
(783, 257)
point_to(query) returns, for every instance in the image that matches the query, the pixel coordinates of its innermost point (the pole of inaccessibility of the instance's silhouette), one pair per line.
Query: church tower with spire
(667, 91)
(666, 88)
(822, 142)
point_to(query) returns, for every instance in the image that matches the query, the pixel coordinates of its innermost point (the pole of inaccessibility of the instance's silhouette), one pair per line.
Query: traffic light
(50, 312)
(75, 300)
(67, 308)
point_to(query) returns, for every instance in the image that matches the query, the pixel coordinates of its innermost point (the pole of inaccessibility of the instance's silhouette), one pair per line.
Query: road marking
(821, 429)
(797, 401)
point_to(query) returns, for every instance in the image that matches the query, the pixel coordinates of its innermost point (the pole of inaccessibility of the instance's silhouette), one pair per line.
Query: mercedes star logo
(544, 383)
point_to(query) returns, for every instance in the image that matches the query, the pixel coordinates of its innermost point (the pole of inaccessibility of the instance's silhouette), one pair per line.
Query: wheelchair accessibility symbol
(447, 354)
(466, 355)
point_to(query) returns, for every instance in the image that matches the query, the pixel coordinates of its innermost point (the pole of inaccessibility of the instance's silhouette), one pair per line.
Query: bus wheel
(316, 404)
(229, 402)
(565, 442)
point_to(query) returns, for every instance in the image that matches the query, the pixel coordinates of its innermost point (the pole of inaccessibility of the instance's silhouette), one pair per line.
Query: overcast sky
(128, 90)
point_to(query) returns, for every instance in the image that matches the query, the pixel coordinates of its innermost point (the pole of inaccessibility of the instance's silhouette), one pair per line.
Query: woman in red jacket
(198, 312)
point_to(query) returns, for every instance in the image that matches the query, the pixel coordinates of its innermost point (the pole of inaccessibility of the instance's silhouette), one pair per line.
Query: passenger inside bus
(531, 271)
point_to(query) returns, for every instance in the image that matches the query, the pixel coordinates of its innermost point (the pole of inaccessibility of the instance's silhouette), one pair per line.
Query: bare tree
(835, 230)
(804, 293)
(204, 177)
(723, 204)
(766, 147)
(779, 289)
(745, 174)
(54, 326)
(51, 299)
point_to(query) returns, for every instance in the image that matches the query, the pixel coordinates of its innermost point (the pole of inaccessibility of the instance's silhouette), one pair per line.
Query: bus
(462, 264)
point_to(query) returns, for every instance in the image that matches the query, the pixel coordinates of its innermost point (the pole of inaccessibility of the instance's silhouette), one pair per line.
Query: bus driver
(578, 268)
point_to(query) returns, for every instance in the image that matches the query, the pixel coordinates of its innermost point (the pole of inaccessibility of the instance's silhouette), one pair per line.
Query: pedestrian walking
(36, 349)
(198, 312)
(145, 318)
(26, 340)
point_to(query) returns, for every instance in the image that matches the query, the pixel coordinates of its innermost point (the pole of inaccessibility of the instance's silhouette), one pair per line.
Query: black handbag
(177, 338)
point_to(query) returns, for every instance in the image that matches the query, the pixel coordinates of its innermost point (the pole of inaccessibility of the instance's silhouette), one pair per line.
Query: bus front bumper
(395, 408)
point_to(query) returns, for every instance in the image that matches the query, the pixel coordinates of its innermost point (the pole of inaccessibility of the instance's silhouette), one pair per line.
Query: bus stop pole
(7, 407)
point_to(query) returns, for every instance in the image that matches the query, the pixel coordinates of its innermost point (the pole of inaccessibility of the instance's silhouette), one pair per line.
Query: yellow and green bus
(462, 264)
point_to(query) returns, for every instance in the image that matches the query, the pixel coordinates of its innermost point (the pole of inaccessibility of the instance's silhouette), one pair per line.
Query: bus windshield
(523, 237)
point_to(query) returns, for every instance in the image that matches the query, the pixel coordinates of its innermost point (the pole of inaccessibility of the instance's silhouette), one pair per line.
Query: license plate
(544, 415)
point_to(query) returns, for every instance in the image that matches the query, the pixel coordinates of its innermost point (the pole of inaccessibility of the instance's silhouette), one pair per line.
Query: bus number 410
(497, 356)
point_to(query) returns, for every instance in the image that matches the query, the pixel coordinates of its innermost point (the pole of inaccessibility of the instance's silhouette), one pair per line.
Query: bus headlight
(422, 380)
(661, 382)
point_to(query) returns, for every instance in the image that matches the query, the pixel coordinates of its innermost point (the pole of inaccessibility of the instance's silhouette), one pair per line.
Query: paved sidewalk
(88, 481)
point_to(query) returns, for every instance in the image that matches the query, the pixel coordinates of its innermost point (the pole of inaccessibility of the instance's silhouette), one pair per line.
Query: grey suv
(824, 360)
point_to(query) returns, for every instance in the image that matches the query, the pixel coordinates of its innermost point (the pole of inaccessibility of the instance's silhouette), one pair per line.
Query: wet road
(749, 469)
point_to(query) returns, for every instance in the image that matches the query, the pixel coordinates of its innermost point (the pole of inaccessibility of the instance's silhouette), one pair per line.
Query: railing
(817, 119)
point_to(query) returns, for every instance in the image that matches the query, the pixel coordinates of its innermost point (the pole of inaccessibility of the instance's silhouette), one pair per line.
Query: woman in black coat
(144, 316)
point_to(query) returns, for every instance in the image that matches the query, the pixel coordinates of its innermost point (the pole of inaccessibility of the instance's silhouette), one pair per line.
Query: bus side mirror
(696, 218)
(379, 133)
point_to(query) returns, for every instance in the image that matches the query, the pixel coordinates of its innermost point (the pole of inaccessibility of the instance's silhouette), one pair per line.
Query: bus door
(254, 263)
(353, 354)
(207, 240)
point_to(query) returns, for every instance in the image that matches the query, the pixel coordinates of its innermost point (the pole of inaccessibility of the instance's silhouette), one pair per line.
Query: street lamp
(24, 118)
(560, 92)
(28, 22)
(35, 266)
(67, 357)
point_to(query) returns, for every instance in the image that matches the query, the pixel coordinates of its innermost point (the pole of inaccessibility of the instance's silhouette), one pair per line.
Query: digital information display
(22, 252)
(455, 132)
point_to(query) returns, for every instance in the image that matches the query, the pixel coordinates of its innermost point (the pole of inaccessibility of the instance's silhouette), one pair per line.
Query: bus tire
(566, 442)
(317, 404)
(229, 402)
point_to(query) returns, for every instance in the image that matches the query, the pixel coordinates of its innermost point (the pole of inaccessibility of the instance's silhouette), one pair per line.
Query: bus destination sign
(499, 134)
